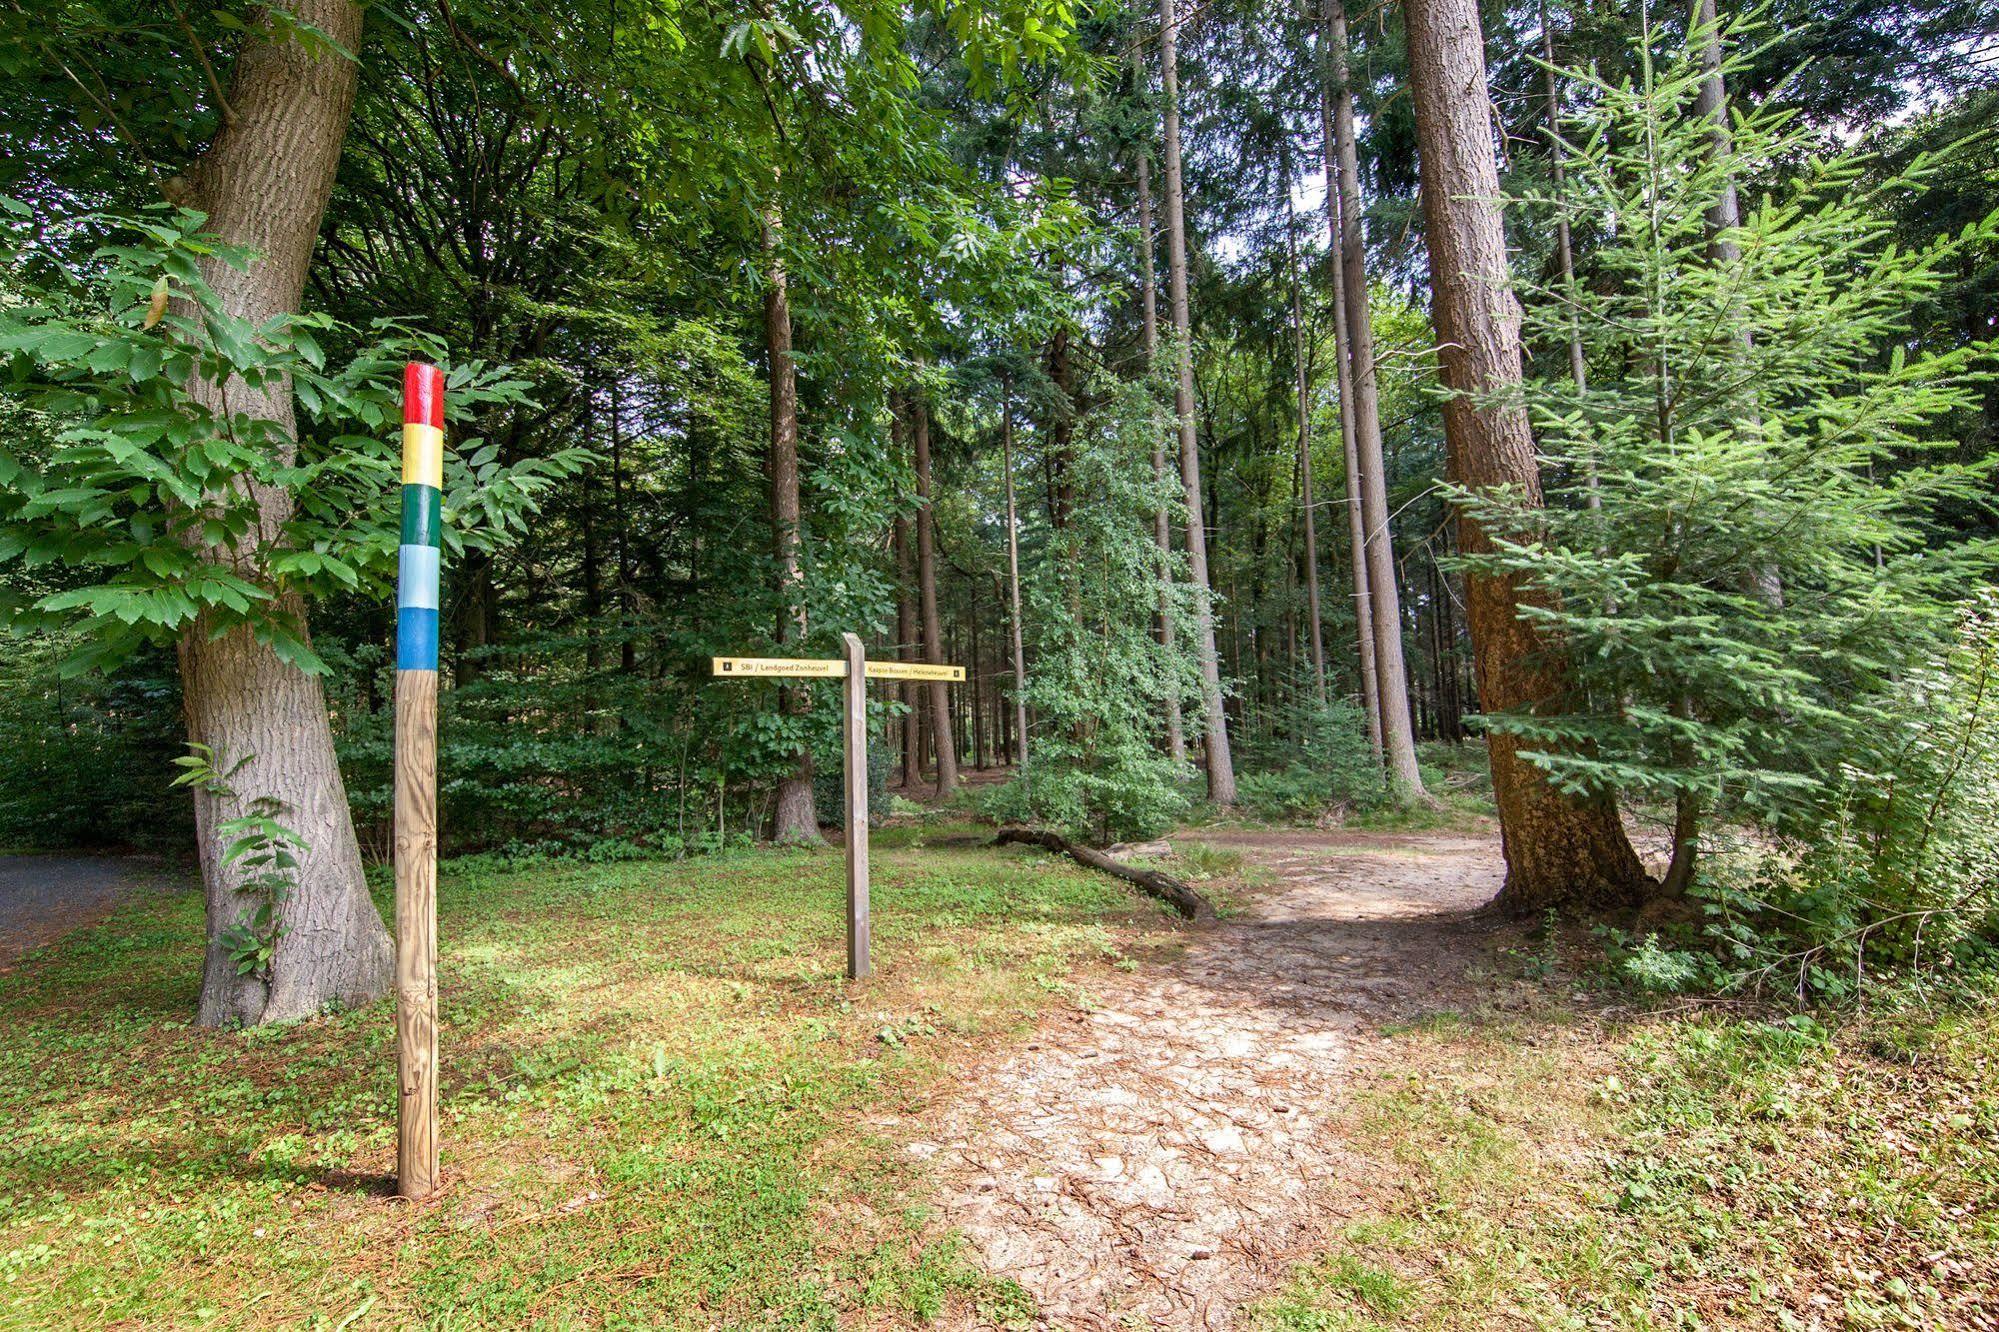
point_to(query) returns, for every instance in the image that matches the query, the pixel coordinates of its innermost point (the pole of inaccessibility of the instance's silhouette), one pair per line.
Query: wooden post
(856, 731)
(856, 670)
(416, 781)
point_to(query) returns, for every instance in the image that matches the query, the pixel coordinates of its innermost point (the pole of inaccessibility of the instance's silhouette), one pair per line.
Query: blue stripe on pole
(416, 577)
(416, 638)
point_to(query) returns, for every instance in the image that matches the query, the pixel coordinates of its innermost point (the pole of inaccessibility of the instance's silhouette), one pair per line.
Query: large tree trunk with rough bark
(264, 184)
(1560, 852)
(1398, 734)
(1215, 726)
(796, 818)
(937, 692)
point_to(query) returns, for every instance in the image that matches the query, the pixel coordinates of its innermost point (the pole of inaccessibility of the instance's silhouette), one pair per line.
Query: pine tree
(1750, 413)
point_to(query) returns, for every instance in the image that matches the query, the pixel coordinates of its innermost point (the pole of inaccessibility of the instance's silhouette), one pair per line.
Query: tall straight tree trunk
(1215, 726)
(1398, 739)
(628, 647)
(796, 818)
(926, 579)
(1560, 852)
(1162, 523)
(1315, 632)
(1013, 586)
(264, 182)
(905, 643)
(1565, 255)
(1363, 602)
(1723, 217)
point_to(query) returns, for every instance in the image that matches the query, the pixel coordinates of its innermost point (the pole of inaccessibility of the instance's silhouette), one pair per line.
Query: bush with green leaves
(1901, 872)
(1748, 538)
(129, 508)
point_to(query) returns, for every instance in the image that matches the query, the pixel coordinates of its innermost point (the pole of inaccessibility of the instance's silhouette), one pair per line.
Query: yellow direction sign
(913, 670)
(832, 669)
(827, 669)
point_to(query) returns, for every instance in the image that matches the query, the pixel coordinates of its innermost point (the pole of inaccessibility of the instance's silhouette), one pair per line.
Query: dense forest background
(916, 275)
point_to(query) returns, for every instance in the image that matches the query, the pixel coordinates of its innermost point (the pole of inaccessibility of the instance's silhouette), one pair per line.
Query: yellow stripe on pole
(423, 455)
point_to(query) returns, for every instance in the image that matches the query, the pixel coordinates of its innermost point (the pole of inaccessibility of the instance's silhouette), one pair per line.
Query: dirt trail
(1161, 1159)
(43, 898)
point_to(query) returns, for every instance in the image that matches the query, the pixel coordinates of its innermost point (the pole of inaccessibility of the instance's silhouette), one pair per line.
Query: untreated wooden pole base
(416, 933)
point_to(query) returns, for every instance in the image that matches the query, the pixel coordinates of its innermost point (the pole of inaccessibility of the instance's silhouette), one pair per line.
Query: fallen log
(1165, 887)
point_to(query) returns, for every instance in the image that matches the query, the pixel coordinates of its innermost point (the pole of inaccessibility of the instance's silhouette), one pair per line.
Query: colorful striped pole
(416, 780)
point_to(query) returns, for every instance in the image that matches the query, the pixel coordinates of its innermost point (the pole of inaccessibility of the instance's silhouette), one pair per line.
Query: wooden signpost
(416, 780)
(856, 670)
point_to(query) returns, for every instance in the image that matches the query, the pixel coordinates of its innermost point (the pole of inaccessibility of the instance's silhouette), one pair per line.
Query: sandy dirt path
(43, 898)
(1162, 1158)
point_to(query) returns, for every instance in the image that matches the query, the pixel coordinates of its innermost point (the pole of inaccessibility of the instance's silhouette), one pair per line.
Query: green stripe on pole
(423, 519)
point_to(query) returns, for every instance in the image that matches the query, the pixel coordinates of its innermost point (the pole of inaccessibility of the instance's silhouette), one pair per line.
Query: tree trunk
(1162, 523)
(1215, 726)
(628, 646)
(1559, 853)
(1722, 218)
(926, 578)
(264, 183)
(1565, 257)
(1363, 602)
(1315, 633)
(905, 645)
(1013, 587)
(796, 818)
(1398, 740)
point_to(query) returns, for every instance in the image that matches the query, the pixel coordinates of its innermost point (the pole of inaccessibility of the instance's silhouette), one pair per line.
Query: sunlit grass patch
(1693, 1170)
(657, 1092)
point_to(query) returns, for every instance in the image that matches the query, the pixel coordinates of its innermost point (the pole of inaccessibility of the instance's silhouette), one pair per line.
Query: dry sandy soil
(1160, 1157)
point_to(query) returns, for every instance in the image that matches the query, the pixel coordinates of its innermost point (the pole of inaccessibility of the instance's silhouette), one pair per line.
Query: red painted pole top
(423, 395)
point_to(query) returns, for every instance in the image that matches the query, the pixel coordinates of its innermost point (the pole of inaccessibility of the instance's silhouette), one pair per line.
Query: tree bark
(926, 578)
(1398, 739)
(264, 183)
(905, 645)
(1215, 726)
(1723, 217)
(1013, 586)
(1560, 853)
(1315, 632)
(796, 818)
(1162, 523)
(1363, 602)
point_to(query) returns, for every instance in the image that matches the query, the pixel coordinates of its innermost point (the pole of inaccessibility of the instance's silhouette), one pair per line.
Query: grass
(658, 1098)
(1699, 1170)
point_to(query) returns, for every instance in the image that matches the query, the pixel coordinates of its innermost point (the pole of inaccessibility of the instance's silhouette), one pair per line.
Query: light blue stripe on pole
(416, 577)
(416, 638)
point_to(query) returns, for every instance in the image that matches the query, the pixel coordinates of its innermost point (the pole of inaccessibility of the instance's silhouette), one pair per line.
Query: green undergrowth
(1703, 1169)
(662, 1105)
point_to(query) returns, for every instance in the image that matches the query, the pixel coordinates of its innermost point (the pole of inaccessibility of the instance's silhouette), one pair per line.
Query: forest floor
(1350, 1104)
(1357, 1103)
(1160, 1154)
